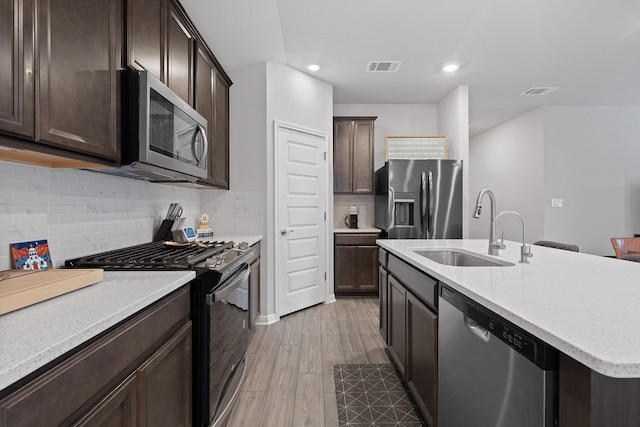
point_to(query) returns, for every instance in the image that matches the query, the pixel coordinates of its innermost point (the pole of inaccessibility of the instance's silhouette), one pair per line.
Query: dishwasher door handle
(476, 329)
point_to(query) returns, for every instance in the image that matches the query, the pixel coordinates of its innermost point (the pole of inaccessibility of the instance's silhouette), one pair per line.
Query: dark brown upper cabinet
(353, 139)
(161, 41)
(71, 99)
(212, 101)
(16, 68)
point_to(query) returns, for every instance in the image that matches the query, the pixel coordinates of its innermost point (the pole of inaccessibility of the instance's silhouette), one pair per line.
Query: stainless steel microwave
(164, 139)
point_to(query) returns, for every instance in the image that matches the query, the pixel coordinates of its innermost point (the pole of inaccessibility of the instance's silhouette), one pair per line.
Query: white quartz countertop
(34, 336)
(357, 230)
(586, 306)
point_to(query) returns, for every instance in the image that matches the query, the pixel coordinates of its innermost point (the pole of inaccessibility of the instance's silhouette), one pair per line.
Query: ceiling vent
(383, 66)
(538, 91)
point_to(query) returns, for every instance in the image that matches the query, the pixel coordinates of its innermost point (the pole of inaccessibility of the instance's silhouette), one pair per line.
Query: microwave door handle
(423, 207)
(197, 156)
(214, 296)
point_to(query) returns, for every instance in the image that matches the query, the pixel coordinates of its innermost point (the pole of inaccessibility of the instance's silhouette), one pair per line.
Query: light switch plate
(556, 203)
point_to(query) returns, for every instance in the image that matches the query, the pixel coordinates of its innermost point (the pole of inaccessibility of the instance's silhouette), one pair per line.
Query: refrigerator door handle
(424, 226)
(430, 204)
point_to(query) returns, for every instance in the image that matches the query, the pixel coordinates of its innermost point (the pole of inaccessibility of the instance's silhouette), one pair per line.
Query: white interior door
(300, 217)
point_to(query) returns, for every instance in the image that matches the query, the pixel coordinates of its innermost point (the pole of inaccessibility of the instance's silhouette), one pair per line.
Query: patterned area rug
(373, 395)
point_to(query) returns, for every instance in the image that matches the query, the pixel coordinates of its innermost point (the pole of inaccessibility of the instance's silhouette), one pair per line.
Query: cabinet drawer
(78, 382)
(422, 285)
(356, 239)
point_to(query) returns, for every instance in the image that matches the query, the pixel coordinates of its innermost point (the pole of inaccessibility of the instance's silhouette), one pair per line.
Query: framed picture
(416, 147)
(31, 255)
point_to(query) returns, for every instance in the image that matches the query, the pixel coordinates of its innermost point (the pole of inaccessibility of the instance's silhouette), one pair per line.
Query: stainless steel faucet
(525, 251)
(494, 245)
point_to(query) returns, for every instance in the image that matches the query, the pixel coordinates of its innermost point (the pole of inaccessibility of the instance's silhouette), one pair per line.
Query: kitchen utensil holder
(164, 231)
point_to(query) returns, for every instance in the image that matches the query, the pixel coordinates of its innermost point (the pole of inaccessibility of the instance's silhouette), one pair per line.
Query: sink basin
(461, 258)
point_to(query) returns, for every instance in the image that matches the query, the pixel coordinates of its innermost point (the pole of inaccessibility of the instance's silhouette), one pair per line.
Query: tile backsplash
(82, 212)
(365, 203)
(234, 212)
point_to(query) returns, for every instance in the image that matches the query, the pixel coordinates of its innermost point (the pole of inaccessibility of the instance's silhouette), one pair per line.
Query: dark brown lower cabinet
(412, 329)
(397, 323)
(164, 383)
(119, 408)
(383, 297)
(137, 373)
(356, 263)
(422, 356)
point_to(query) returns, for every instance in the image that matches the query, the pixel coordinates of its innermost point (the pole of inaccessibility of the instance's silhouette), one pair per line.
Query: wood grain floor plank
(263, 363)
(330, 410)
(309, 407)
(311, 344)
(252, 404)
(292, 334)
(280, 402)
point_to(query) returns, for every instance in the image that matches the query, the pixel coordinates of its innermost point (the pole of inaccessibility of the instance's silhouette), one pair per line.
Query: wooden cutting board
(22, 288)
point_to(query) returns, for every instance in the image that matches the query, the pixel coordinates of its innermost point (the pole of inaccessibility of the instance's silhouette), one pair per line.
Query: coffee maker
(351, 220)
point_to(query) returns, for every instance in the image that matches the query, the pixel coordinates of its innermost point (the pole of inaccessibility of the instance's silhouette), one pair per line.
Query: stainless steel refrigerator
(419, 199)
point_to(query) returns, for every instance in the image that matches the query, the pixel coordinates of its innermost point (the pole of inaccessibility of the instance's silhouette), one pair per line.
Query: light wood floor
(290, 372)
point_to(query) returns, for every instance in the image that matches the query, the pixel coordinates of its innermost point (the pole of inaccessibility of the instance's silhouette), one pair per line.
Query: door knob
(286, 231)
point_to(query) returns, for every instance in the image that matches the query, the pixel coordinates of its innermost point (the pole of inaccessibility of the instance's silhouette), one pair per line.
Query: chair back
(625, 246)
(557, 245)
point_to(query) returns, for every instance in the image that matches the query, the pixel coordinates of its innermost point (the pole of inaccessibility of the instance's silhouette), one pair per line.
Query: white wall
(509, 160)
(586, 156)
(80, 212)
(261, 94)
(592, 162)
(453, 121)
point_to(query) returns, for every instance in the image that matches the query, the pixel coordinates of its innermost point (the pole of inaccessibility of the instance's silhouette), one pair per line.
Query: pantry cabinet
(137, 373)
(353, 139)
(62, 80)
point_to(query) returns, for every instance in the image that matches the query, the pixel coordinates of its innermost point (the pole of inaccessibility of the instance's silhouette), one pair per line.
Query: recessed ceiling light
(313, 67)
(450, 67)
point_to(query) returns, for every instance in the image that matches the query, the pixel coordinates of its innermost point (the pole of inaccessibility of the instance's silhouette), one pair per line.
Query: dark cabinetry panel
(16, 67)
(118, 409)
(212, 101)
(355, 263)
(164, 383)
(180, 41)
(412, 329)
(422, 356)
(79, 48)
(145, 35)
(60, 74)
(397, 323)
(353, 139)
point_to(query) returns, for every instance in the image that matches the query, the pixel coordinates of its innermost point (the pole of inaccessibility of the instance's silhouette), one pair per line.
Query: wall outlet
(556, 203)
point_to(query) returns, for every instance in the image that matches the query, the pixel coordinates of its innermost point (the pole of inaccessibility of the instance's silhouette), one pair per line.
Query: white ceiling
(590, 49)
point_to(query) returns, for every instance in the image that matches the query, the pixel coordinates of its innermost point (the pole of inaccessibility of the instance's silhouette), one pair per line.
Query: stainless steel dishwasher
(490, 372)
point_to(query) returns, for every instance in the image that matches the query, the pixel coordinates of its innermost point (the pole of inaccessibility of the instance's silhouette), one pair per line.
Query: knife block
(164, 231)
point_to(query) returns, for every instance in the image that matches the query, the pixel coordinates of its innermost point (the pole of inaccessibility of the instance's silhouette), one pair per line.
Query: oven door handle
(236, 279)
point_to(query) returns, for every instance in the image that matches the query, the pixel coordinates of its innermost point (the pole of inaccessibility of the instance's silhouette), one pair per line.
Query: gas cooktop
(155, 256)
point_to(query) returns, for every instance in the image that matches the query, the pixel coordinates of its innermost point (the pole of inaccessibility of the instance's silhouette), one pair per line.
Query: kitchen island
(583, 305)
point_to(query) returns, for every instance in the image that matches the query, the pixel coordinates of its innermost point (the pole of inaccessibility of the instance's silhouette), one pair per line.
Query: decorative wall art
(416, 147)
(31, 255)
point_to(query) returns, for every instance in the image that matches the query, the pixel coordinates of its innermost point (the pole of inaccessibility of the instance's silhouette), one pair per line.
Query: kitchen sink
(461, 258)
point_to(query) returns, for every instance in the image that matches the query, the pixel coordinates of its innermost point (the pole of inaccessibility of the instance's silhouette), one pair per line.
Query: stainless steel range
(219, 312)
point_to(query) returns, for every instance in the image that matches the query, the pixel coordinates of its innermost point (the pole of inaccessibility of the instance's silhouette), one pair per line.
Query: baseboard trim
(266, 320)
